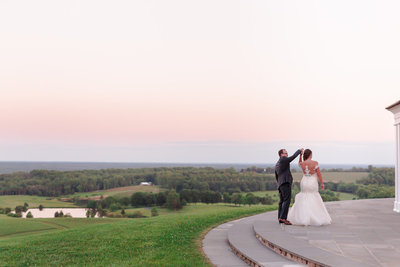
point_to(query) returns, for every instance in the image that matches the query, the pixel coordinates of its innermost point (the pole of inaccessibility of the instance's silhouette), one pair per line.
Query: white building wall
(397, 172)
(396, 111)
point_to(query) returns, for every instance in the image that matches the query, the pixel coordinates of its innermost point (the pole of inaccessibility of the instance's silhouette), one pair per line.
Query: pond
(49, 212)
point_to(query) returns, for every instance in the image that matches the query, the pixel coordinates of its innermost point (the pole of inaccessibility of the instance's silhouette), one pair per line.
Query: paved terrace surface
(363, 233)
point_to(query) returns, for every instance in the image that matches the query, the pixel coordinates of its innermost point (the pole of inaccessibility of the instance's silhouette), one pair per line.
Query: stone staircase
(261, 241)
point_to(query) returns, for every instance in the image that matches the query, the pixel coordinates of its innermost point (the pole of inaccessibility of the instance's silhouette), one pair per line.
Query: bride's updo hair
(306, 154)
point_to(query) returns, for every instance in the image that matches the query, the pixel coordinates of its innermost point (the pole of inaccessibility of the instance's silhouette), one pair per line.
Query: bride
(308, 208)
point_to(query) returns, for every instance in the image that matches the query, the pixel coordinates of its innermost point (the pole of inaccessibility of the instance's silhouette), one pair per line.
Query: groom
(284, 178)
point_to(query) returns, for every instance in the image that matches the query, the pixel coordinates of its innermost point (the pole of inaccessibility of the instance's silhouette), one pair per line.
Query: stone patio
(363, 233)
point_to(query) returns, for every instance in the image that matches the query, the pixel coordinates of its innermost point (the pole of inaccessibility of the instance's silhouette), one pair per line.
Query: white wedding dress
(308, 207)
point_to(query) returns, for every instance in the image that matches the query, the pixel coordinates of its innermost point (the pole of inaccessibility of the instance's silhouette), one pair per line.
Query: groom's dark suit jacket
(282, 169)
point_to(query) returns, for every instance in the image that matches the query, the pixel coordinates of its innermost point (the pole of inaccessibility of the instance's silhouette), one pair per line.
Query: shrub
(154, 211)
(115, 206)
(29, 215)
(137, 214)
(16, 215)
(19, 209)
(267, 200)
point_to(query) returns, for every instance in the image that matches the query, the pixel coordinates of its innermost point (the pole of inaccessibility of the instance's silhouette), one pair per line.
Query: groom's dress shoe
(285, 221)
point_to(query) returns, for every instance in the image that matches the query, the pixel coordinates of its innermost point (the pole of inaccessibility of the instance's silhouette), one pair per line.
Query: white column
(397, 172)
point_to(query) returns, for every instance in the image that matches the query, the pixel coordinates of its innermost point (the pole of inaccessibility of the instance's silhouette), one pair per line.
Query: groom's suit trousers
(285, 195)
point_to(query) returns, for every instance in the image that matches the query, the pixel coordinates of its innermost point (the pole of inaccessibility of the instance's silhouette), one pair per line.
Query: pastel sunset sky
(198, 81)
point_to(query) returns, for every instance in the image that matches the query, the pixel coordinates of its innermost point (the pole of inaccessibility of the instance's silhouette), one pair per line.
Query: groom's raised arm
(291, 158)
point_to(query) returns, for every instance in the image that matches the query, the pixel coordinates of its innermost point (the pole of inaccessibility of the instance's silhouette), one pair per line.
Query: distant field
(345, 177)
(275, 195)
(33, 201)
(173, 239)
(126, 191)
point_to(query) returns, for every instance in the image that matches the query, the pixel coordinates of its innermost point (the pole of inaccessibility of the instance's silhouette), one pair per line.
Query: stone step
(278, 238)
(242, 240)
(217, 249)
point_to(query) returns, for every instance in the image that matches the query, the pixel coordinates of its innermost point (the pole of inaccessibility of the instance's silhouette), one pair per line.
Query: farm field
(33, 201)
(345, 177)
(125, 191)
(172, 239)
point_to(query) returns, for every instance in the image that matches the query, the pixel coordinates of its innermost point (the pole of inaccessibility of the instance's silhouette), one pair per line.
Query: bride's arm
(300, 159)
(319, 176)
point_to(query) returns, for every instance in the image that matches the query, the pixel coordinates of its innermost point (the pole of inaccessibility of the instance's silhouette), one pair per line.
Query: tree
(29, 215)
(92, 204)
(123, 212)
(26, 205)
(61, 213)
(173, 202)
(237, 198)
(138, 199)
(40, 207)
(227, 198)
(7, 210)
(56, 214)
(161, 198)
(101, 212)
(93, 213)
(125, 201)
(250, 199)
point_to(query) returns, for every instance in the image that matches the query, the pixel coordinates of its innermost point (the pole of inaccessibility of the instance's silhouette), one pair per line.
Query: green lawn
(171, 239)
(10, 226)
(33, 201)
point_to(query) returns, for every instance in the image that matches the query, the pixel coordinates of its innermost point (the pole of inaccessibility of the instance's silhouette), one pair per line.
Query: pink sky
(148, 75)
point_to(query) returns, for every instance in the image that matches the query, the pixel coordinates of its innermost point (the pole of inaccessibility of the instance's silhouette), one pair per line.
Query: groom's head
(282, 153)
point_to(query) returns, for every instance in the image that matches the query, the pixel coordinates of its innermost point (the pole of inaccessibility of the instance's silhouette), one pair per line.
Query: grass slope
(167, 240)
(10, 226)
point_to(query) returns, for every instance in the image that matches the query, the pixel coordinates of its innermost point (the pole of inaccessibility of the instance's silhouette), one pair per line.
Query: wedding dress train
(308, 207)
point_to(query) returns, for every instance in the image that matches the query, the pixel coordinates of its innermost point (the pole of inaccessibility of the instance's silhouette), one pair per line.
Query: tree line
(58, 183)
(378, 184)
